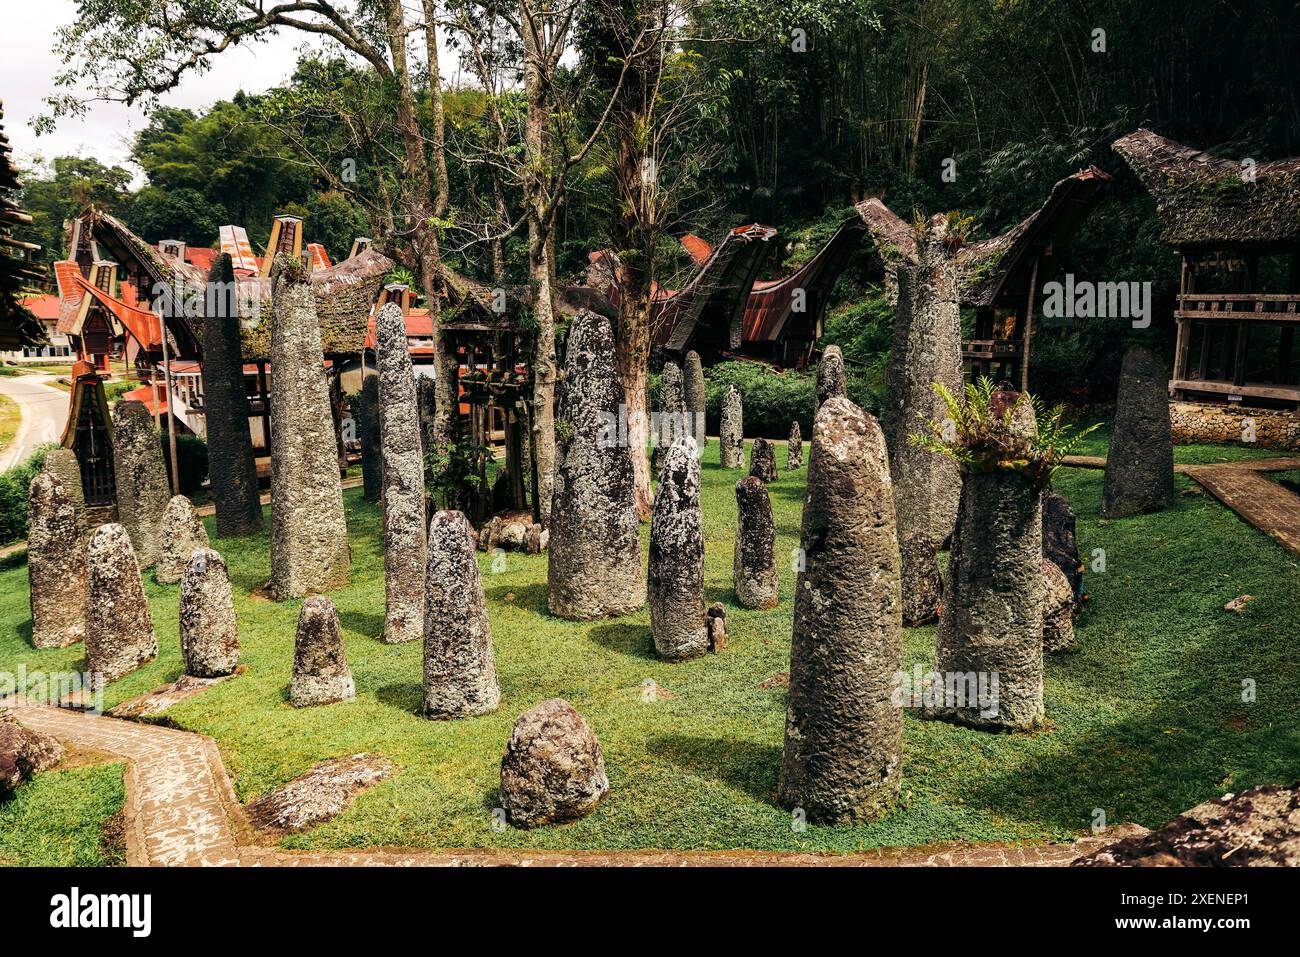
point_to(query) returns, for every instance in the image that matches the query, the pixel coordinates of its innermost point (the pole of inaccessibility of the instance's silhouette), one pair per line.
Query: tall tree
(17, 325)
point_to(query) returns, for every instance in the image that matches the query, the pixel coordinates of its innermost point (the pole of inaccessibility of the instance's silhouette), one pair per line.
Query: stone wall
(1205, 422)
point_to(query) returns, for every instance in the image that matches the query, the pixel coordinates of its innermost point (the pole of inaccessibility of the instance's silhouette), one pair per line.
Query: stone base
(1234, 424)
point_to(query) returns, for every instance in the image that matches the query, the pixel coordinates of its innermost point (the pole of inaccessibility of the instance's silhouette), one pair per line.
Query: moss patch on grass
(1146, 720)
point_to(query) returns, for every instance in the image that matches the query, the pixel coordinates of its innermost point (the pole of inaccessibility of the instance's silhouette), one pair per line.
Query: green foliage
(183, 213)
(772, 400)
(59, 818)
(191, 458)
(982, 439)
(14, 485)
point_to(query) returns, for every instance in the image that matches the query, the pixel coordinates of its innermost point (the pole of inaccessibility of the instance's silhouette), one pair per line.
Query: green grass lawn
(10, 418)
(58, 819)
(1146, 720)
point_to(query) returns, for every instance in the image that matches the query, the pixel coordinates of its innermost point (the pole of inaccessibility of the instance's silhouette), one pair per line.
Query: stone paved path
(181, 809)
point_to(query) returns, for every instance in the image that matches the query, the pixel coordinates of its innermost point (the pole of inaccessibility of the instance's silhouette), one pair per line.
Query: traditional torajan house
(1000, 277)
(1236, 225)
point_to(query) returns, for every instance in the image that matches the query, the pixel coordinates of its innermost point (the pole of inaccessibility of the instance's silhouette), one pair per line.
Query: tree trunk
(633, 336)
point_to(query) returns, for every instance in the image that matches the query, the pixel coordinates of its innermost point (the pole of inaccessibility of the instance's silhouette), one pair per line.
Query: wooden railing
(1247, 305)
(990, 348)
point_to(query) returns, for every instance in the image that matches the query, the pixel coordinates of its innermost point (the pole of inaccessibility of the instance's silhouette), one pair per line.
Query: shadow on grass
(531, 597)
(369, 624)
(632, 640)
(406, 696)
(744, 765)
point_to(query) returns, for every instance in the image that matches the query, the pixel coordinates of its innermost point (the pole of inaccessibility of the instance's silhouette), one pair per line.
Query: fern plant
(978, 434)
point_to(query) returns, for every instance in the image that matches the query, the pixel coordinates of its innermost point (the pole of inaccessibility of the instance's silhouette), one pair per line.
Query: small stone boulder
(119, 631)
(209, 638)
(322, 793)
(762, 460)
(553, 770)
(181, 534)
(320, 662)
(24, 752)
(1058, 610)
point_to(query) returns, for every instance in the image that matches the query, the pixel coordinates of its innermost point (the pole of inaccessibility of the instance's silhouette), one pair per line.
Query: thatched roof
(1204, 200)
(988, 267)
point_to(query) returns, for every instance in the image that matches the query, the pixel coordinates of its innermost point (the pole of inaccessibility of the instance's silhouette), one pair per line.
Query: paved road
(44, 409)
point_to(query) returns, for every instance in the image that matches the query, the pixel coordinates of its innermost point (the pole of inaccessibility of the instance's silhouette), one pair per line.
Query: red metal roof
(45, 308)
(419, 325)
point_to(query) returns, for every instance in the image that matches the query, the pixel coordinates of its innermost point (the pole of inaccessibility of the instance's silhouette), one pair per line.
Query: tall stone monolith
(181, 533)
(64, 464)
(1140, 462)
(676, 576)
(831, 377)
(460, 671)
(594, 558)
(367, 416)
(762, 460)
(731, 432)
(842, 759)
(56, 564)
(119, 631)
(232, 468)
(309, 535)
(320, 662)
(794, 448)
(404, 531)
(141, 477)
(671, 410)
(754, 560)
(694, 397)
(926, 350)
(990, 644)
(209, 637)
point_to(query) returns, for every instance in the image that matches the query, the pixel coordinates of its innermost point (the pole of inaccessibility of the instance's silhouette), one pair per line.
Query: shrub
(192, 459)
(773, 399)
(14, 484)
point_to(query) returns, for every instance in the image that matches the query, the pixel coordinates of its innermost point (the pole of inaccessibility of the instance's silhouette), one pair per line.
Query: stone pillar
(926, 350)
(762, 460)
(672, 405)
(320, 662)
(141, 476)
(209, 638)
(693, 395)
(182, 532)
(676, 577)
(842, 760)
(593, 575)
(991, 626)
(404, 531)
(1058, 609)
(64, 464)
(794, 450)
(56, 564)
(119, 631)
(232, 468)
(1140, 462)
(1060, 544)
(553, 770)
(754, 560)
(309, 535)
(731, 433)
(460, 671)
(367, 415)
(831, 378)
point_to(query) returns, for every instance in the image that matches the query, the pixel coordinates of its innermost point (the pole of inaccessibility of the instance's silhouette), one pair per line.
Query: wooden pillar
(171, 415)
(1029, 325)
(265, 394)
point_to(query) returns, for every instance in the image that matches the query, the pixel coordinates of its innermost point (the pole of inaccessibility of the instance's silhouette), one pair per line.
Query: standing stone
(320, 662)
(426, 394)
(367, 415)
(926, 350)
(56, 564)
(991, 626)
(64, 464)
(1140, 462)
(677, 557)
(1058, 609)
(209, 638)
(831, 378)
(141, 476)
(119, 631)
(762, 460)
(553, 770)
(460, 671)
(1059, 542)
(181, 533)
(593, 575)
(671, 407)
(232, 468)
(694, 397)
(731, 433)
(754, 560)
(404, 532)
(309, 535)
(842, 759)
(794, 449)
